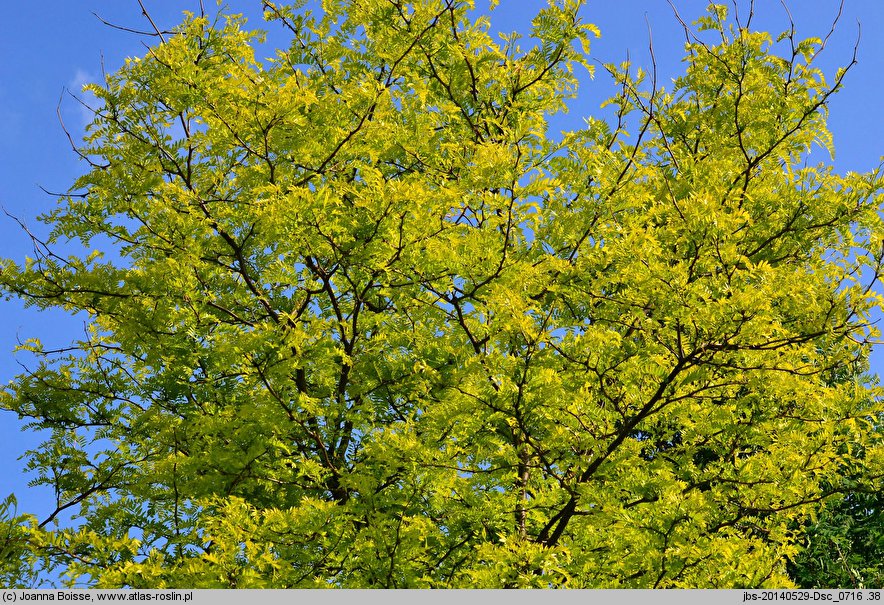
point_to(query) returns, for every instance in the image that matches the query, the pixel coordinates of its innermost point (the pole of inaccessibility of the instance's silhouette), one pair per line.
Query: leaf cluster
(371, 325)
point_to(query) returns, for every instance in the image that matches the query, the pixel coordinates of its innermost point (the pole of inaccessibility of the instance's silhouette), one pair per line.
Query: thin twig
(832, 29)
(154, 25)
(68, 132)
(63, 195)
(130, 30)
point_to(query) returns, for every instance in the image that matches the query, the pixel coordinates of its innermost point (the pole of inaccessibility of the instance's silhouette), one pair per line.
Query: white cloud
(83, 102)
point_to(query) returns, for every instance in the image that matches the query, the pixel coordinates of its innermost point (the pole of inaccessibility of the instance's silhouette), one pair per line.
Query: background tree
(844, 545)
(843, 540)
(368, 324)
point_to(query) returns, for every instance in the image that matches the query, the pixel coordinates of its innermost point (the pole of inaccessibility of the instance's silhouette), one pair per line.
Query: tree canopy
(357, 318)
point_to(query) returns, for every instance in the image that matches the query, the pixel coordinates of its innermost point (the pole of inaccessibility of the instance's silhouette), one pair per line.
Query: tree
(844, 545)
(367, 323)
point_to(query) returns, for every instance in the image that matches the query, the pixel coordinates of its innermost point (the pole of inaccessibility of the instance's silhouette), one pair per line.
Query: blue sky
(53, 45)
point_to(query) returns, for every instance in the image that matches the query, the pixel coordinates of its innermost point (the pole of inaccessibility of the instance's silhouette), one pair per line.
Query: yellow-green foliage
(370, 325)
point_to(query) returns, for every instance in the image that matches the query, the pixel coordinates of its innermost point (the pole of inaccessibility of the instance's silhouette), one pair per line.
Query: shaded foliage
(370, 325)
